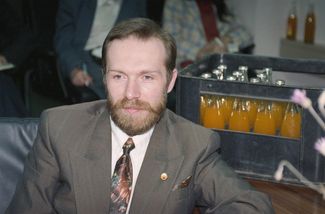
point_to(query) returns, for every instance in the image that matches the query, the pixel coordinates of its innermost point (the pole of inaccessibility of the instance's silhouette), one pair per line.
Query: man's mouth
(133, 109)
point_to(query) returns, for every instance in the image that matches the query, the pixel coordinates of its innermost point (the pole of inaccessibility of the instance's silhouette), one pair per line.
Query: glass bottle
(213, 117)
(264, 123)
(206, 75)
(244, 70)
(310, 25)
(222, 68)
(278, 108)
(208, 110)
(268, 74)
(226, 108)
(254, 80)
(277, 113)
(237, 75)
(262, 77)
(292, 22)
(238, 120)
(280, 82)
(231, 78)
(252, 105)
(291, 124)
(218, 74)
(203, 104)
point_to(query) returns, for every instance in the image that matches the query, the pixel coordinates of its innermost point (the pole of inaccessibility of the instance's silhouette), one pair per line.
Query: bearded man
(130, 154)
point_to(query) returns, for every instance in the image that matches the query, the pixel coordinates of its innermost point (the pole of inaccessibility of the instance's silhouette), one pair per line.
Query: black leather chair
(16, 139)
(40, 69)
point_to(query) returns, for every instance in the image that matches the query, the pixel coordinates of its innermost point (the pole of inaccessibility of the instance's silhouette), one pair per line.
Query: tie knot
(128, 146)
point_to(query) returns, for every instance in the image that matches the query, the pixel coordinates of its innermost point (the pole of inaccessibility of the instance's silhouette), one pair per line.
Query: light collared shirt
(106, 14)
(137, 154)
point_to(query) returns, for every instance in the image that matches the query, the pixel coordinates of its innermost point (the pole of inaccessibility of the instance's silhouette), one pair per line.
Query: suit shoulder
(94, 107)
(67, 126)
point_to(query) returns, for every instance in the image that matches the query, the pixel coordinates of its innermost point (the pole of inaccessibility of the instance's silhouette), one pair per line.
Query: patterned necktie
(122, 180)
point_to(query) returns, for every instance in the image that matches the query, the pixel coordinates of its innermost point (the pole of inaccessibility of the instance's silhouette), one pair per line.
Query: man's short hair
(143, 28)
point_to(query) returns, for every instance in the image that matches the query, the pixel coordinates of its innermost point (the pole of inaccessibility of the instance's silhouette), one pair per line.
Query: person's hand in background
(217, 45)
(80, 77)
(3, 60)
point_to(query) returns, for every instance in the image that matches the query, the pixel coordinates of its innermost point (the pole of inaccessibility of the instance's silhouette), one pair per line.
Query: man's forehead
(134, 39)
(133, 45)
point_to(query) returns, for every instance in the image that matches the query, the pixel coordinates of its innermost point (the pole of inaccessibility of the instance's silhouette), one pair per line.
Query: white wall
(266, 19)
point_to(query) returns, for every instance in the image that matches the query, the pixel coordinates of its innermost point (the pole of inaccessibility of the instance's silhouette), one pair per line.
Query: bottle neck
(293, 9)
(310, 8)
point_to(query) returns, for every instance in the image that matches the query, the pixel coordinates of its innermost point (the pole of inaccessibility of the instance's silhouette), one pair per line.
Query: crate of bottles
(259, 126)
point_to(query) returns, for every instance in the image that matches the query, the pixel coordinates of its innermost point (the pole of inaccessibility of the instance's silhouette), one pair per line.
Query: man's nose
(132, 89)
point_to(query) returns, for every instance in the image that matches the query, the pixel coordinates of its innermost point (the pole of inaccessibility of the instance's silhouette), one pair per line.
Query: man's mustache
(135, 104)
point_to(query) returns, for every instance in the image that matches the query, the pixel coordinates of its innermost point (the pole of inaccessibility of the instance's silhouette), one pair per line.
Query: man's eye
(147, 77)
(117, 76)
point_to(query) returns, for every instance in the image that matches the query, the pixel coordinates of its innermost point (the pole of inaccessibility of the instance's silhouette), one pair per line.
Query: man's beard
(136, 124)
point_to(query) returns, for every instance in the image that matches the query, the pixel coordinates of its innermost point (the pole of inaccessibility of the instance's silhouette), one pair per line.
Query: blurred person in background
(81, 29)
(203, 27)
(17, 41)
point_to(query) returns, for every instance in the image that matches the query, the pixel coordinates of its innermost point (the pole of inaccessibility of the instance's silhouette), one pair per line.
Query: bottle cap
(262, 77)
(222, 67)
(267, 70)
(243, 68)
(279, 82)
(254, 80)
(218, 74)
(231, 78)
(206, 75)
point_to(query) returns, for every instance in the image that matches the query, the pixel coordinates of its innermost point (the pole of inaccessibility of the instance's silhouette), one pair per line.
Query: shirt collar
(121, 136)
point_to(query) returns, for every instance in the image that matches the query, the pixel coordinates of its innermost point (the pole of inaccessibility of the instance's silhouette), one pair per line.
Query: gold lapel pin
(163, 176)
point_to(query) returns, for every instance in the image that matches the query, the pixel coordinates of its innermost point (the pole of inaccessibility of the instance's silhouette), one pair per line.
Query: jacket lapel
(91, 168)
(162, 156)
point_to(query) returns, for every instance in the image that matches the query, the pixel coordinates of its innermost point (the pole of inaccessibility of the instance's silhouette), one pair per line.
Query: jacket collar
(91, 168)
(163, 156)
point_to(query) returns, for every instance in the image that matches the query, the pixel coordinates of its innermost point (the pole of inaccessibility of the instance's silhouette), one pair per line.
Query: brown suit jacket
(69, 168)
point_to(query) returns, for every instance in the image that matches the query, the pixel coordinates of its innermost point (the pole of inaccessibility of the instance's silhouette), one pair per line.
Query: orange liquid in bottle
(291, 124)
(213, 117)
(264, 123)
(277, 113)
(203, 104)
(252, 110)
(238, 120)
(226, 108)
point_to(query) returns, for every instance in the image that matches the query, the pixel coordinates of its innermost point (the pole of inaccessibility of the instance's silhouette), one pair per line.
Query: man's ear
(172, 81)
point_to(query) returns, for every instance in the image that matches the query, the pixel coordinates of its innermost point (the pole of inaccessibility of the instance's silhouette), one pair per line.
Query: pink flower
(278, 175)
(299, 97)
(321, 103)
(320, 145)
